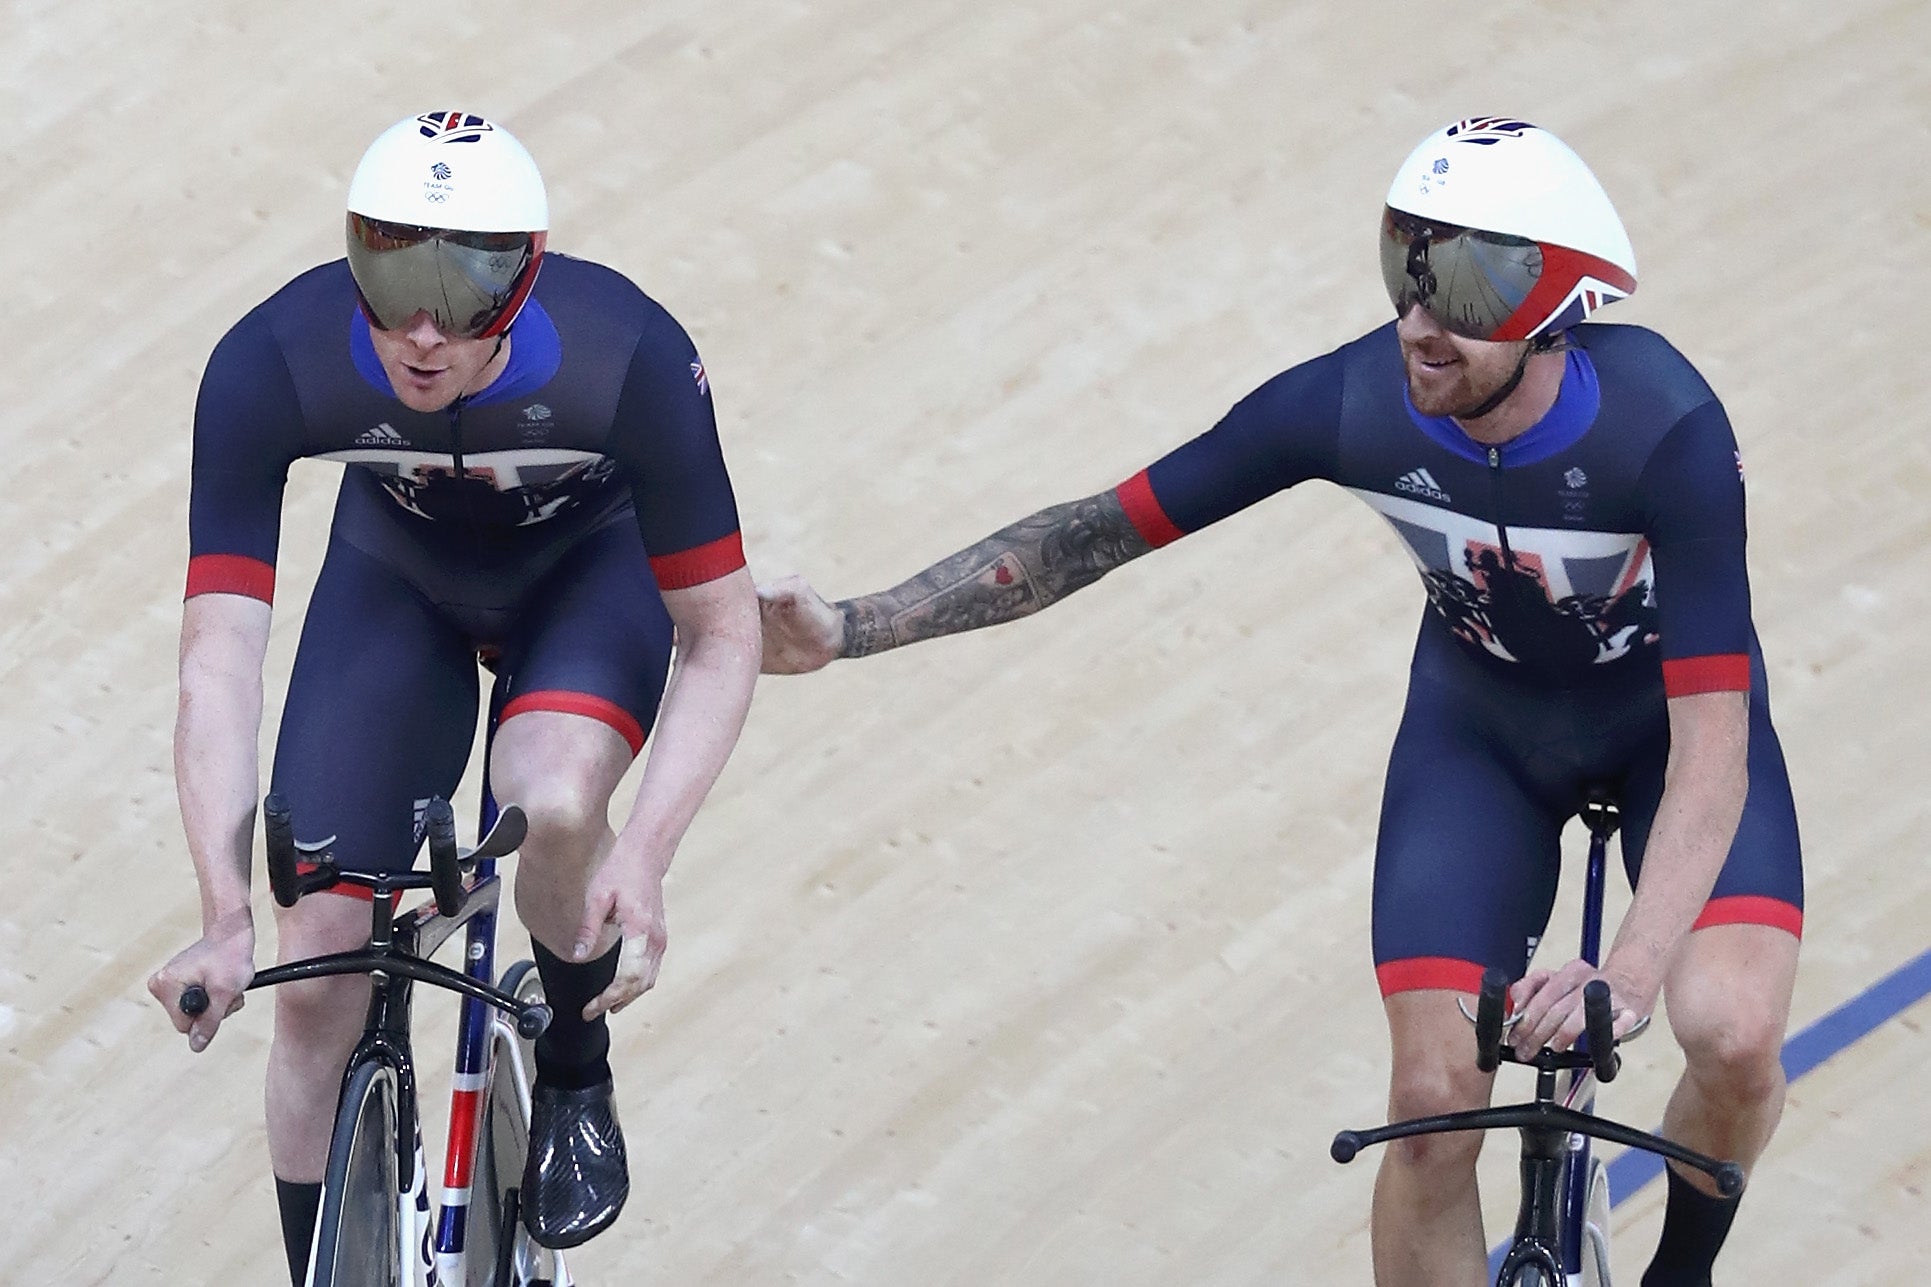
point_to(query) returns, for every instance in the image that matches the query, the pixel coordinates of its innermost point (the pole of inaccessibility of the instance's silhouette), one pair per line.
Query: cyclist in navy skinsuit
(534, 471)
(1572, 496)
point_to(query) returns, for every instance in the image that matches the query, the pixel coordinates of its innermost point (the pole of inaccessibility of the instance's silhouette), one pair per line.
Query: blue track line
(1843, 1027)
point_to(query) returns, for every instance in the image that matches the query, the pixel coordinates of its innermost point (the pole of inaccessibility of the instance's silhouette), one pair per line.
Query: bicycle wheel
(1595, 1227)
(1532, 1267)
(358, 1231)
(500, 1252)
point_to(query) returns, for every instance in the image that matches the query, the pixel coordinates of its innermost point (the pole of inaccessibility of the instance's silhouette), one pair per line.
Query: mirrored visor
(466, 281)
(1470, 281)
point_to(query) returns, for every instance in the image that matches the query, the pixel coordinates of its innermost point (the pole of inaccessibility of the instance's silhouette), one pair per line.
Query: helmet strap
(466, 394)
(1501, 395)
(1544, 343)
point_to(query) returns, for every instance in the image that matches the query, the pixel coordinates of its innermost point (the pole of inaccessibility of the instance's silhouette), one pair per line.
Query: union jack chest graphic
(1529, 594)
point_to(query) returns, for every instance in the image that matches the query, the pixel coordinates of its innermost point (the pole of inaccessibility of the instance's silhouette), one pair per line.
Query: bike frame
(395, 959)
(480, 1033)
(1557, 1126)
(1602, 820)
(475, 1049)
(1555, 1161)
(399, 951)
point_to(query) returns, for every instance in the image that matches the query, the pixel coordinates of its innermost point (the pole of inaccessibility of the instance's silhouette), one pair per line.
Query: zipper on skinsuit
(462, 473)
(1495, 504)
(456, 436)
(456, 454)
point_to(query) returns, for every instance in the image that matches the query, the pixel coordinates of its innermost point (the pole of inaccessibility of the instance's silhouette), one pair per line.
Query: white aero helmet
(1501, 232)
(447, 215)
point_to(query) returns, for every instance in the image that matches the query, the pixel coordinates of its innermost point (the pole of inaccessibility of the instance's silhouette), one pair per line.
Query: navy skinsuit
(590, 478)
(1578, 576)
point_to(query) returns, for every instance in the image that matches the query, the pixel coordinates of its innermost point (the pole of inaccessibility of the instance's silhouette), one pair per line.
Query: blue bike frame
(1601, 821)
(1556, 1127)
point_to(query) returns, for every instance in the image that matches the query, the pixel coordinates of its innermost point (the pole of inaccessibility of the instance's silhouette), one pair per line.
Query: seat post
(1599, 814)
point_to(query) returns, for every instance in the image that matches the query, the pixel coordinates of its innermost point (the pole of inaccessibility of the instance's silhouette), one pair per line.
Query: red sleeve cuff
(1721, 673)
(708, 562)
(1143, 511)
(231, 574)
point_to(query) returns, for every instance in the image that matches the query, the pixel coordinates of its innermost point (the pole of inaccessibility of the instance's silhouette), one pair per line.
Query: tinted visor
(470, 282)
(1470, 281)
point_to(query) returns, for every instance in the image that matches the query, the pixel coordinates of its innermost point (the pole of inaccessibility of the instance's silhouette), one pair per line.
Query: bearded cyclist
(1572, 496)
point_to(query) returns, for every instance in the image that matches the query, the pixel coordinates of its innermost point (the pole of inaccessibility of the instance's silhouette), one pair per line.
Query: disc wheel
(1595, 1227)
(358, 1232)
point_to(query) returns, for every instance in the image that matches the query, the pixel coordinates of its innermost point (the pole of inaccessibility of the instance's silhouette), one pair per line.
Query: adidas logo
(1420, 482)
(383, 435)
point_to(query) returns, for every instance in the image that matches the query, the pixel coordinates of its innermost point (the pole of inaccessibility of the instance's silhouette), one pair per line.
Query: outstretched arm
(1013, 573)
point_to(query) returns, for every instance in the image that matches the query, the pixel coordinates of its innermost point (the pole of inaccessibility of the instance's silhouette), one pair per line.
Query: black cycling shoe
(576, 1177)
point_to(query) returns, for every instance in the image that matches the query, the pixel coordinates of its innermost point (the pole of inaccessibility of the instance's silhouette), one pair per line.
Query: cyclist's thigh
(1762, 881)
(380, 714)
(593, 639)
(1467, 857)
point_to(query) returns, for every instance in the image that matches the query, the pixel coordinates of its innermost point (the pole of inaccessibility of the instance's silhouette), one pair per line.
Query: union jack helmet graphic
(447, 215)
(1501, 232)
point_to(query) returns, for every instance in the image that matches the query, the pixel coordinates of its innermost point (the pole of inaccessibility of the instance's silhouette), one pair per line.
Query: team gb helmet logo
(453, 127)
(1487, 130)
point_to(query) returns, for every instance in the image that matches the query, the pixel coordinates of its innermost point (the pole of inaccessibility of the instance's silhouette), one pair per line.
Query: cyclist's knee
(1426, 1091)
(322, 1012)
(1728, 1010)
(1446, 1155)
(561, 770)
(1738, 1054)
(1429, 1089)
(568, 814)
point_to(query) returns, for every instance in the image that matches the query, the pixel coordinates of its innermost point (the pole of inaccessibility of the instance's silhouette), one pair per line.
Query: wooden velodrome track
(1038, 956)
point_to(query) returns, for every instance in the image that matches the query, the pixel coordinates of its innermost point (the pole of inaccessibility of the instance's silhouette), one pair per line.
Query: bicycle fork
(1544, 1151)
(414, 1225)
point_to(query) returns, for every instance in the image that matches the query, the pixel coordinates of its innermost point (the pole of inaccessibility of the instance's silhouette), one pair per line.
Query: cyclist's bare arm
(1013, 573)
(224, 639)
(1704, 783)
(1705, 780)
(697, 726)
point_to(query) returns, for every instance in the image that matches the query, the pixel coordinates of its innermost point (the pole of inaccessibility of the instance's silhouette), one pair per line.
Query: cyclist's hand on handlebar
(222, 963)
(1548, 1007)
(631, 898)
(801, 631)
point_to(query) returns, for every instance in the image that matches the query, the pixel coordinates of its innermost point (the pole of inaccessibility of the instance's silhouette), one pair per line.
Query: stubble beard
(1457, 399)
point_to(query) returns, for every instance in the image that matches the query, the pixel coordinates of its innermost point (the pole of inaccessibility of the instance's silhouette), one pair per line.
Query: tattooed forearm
(1011, 574)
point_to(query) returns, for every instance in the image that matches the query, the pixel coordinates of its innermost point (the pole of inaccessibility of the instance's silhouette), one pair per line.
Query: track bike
(375, 1227)
(1562, 1224)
